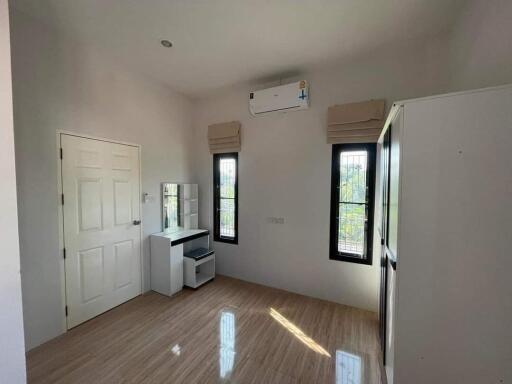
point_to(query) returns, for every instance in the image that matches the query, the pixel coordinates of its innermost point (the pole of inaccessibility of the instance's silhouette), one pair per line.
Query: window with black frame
(225, 204)
(352, 195)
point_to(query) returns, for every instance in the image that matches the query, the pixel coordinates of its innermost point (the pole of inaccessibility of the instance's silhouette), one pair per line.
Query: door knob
(136, 222)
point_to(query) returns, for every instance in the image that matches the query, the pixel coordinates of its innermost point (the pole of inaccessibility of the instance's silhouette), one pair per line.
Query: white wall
(12, 351)
(480, 45)
(60, 84)
(285, 167)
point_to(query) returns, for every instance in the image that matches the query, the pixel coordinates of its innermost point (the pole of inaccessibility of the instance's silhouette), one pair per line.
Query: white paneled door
(101, 211)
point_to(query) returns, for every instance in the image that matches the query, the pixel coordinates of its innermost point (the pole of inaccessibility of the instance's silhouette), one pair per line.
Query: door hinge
(62, 199)
(66, 311)
(61, 156)
(64, 253)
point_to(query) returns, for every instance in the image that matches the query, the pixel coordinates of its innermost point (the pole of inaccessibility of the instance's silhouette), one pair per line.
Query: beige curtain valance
(359, 122)
(224, 137)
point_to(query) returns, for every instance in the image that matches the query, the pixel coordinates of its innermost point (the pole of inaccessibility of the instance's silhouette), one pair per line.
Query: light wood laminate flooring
(228, 331)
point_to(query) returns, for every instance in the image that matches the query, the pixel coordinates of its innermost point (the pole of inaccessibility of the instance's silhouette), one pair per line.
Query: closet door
(384, 161)
(393, 188)
(390, 166)
(390, 246)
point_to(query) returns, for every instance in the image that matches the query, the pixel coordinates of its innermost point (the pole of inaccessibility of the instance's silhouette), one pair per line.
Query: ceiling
(218, 43)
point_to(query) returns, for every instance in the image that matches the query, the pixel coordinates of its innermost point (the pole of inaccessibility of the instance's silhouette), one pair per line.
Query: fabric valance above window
(224, 137)
(359, 122)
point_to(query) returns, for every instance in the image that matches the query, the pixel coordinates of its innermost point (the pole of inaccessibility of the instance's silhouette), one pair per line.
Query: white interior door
(100, 183)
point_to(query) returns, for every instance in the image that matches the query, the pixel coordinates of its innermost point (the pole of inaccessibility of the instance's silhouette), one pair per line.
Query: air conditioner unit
(289, 97)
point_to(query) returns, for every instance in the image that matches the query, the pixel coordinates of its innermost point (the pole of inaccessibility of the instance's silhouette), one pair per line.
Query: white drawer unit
(166, 265)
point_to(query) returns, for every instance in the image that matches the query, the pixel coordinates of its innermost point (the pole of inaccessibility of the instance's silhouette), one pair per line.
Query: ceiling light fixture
(166, 43)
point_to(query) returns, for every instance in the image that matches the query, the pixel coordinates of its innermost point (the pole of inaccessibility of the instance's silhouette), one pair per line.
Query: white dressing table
(181, 257)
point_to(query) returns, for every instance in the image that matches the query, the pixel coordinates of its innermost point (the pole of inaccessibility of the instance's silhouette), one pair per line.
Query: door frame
(60, 214)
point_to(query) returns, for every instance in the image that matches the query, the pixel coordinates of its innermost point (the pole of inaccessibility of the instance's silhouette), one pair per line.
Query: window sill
(350, 259)
(226, 241)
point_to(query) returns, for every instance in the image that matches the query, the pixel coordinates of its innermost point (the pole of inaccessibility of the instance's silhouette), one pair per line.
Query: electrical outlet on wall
(275, 220)
(147, 198)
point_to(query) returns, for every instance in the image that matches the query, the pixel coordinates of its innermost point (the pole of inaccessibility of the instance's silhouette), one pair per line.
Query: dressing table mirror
(179, 206)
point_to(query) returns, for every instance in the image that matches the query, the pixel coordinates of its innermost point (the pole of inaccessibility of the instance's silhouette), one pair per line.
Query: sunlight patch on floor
(298, 333)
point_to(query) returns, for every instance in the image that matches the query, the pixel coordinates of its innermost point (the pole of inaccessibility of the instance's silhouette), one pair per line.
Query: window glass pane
(351, 228)
(227, 217)
(227, 177)
(225, 197)
(352, 202)
(353, 167)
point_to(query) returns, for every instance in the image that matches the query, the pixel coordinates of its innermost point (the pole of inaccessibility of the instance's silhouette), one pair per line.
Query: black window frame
(334, 254)
(216, 198)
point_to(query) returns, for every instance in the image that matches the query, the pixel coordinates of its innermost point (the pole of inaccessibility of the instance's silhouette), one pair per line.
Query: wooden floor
(228, 331)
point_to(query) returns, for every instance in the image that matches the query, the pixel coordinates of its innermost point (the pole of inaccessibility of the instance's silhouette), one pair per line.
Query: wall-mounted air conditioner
(289, 97)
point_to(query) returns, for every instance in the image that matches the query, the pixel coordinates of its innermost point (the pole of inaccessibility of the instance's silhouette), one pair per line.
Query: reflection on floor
(227, 343)
(228, 331)
(348, 368)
